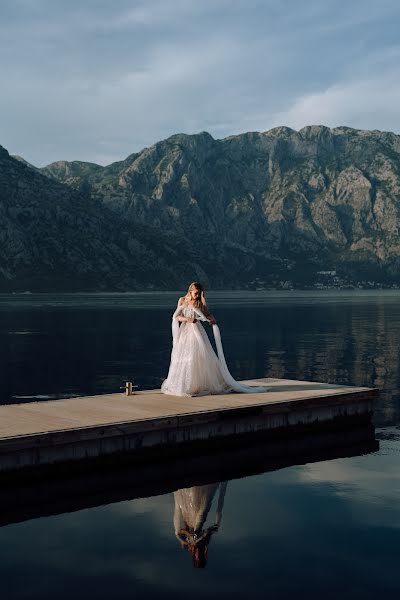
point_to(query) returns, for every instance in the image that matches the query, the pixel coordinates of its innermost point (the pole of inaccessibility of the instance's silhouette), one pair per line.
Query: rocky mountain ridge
(255, 209)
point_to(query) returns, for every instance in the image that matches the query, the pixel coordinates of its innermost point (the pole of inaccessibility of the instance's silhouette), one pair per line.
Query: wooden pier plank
(73, 413)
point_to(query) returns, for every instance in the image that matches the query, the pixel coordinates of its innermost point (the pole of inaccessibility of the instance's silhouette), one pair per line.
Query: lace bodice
(188, 311)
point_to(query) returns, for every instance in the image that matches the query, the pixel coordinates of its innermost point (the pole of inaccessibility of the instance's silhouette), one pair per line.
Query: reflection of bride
(195, 369)
(192, 506)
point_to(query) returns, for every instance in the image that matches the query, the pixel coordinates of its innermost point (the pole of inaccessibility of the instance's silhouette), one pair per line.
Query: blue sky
(97, 80)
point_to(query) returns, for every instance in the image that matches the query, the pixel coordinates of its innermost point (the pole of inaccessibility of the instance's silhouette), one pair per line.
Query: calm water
(326, 527)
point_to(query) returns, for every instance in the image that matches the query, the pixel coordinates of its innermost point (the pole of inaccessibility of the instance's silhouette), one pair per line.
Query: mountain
(280, 205)
(25, 162)
(54, 238)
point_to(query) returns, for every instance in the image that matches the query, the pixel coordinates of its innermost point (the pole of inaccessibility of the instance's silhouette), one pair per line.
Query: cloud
(98, 80)
(367, 97)
(369, 484)
(364, 104)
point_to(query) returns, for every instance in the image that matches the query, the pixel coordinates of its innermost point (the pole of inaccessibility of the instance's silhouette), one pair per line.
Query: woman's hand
(191, 320)
(212, 320)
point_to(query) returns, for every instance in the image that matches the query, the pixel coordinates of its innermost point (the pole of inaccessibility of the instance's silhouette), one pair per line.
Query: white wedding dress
(192, 506)
(195, 369)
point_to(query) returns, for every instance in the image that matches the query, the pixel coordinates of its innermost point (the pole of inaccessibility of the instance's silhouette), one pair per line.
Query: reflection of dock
(110, 480)
(44, 433)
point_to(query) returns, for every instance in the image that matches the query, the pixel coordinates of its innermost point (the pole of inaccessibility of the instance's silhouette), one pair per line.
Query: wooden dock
(60, 431)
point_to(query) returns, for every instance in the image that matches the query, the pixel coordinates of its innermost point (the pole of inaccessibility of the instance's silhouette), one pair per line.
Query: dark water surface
(324, 528)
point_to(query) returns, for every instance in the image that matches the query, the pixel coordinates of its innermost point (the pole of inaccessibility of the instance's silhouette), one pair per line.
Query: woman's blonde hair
(199, 302)
(196, 543)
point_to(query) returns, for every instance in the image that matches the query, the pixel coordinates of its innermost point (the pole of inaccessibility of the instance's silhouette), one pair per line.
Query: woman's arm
(210, 318)
(205, 316)
(185, 319)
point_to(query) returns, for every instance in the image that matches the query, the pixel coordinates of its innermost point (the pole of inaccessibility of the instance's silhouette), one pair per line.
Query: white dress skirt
(192, 507)
(195, 369)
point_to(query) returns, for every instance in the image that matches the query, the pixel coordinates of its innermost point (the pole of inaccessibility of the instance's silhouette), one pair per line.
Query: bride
(195, 369)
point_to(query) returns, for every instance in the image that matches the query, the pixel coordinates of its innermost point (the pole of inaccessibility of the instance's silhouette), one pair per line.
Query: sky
(96, 80)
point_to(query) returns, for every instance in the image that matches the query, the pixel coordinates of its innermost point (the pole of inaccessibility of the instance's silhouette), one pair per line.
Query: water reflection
(116, 530)
(195, 476)
(192, 507)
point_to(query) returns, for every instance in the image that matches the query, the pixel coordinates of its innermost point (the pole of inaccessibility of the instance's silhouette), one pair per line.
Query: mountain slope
(55, 238)
(273, 205)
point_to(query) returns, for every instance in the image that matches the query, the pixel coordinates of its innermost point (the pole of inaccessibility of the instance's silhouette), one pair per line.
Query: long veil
(229, 380)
